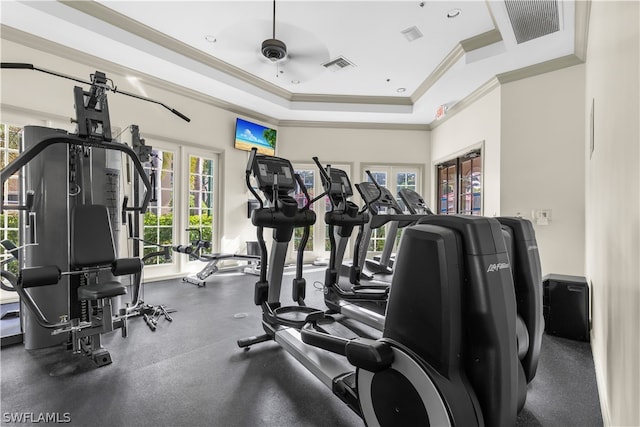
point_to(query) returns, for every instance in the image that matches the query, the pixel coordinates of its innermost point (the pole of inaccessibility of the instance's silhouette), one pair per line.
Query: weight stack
(566, 306)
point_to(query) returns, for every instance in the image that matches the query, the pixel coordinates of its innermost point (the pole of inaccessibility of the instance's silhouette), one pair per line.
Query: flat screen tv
(249, 135)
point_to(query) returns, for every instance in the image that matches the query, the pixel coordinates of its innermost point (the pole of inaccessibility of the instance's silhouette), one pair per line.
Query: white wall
(532, 132)
(613, 205)
(541, 162)
(479, 122)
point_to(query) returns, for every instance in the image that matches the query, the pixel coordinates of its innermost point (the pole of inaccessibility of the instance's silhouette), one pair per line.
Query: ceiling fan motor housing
(274, 50)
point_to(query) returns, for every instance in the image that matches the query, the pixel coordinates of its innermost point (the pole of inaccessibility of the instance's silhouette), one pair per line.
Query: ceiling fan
(299, 61)
(273, 49)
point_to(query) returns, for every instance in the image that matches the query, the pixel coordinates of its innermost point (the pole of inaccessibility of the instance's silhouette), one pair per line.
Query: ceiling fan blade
(240, 45)
(237, 41)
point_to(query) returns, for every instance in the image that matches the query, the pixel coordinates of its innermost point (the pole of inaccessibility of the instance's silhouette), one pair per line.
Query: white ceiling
(393, 80)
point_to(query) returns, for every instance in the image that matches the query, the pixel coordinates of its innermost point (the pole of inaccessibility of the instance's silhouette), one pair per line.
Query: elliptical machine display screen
(266, 167)
(340, 183)
(384, 203)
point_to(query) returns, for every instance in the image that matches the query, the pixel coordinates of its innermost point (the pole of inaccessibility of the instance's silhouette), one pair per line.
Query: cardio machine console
(340, 183)
(266, 167)
(340, 189)
(414, 202)
(370, 192)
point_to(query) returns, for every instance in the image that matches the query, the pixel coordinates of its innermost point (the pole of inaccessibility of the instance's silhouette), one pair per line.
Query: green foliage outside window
(297, 237)
(159, 228)
(10, 233)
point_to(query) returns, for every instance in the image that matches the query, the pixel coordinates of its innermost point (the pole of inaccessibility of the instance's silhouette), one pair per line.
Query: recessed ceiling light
(401, 89)
(210, 38)
(454, 13)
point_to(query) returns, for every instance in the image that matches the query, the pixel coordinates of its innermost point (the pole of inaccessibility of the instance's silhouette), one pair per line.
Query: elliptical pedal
(334, 328)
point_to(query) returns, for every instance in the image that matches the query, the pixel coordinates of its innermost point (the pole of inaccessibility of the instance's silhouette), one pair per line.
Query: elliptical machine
(363, 302)
(448, 352)
(384, 209)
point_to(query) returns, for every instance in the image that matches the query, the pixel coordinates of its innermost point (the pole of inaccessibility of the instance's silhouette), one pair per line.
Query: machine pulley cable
(94, 83)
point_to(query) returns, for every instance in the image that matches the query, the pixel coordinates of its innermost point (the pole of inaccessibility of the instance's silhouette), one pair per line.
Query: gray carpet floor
(190, 372)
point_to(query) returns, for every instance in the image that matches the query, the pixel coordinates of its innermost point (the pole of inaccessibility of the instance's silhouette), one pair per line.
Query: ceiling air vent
(339, 63)
(411, 33)
(531, 19)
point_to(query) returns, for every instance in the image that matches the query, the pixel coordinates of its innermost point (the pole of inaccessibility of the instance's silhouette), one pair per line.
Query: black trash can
(566, 306)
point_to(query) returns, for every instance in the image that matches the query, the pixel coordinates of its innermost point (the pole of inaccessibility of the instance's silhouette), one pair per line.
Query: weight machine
(73, 201)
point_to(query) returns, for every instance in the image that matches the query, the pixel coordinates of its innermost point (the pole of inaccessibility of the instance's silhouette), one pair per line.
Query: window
(201, 201)
(460, 185)
(378, 235)
(406, 180)
(309, 178)
(9, 149)
(183, 206)
(159, 220)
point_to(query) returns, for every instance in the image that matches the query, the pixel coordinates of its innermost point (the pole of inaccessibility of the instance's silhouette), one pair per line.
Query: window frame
(214, 209)
(181, 264)
(160, 191)
(165, 268)
(188, 152)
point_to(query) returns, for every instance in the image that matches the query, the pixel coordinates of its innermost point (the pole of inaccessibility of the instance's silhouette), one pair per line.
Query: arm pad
(39, 276)
(123, 266)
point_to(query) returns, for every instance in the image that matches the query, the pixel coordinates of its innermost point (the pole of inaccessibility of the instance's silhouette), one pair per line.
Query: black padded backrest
(91, 236)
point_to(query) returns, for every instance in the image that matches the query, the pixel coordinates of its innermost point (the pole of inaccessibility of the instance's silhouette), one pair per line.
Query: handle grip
(252, 159)
(323, 173)
(16, 65)
(179, 114)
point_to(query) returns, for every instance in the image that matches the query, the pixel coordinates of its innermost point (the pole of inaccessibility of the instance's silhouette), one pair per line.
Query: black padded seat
(92, 246)
(101, 290)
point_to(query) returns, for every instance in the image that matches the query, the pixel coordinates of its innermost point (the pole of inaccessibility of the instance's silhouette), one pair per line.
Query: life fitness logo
(497, 266)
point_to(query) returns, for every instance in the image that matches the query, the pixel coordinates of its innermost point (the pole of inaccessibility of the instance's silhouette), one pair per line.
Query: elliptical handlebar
(248, 170)
(373, 180)
(303, 188)
(326, 176)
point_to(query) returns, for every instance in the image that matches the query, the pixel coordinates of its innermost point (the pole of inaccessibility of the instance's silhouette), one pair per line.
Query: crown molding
(481, 40)
(537, 69)
(352, 99)
(28, 112)
(465, 46)
(474, 96)
(353, 125)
